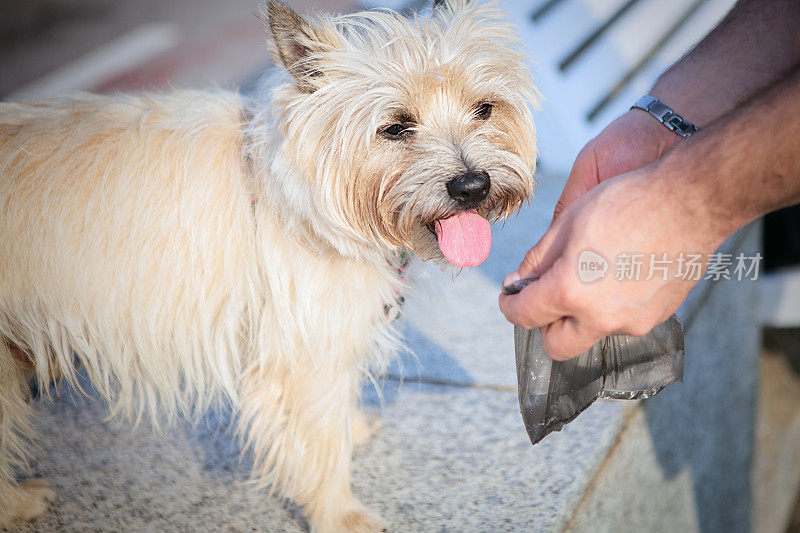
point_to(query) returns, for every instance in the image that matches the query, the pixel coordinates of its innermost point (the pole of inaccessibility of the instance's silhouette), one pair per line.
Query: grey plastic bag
(553, 393)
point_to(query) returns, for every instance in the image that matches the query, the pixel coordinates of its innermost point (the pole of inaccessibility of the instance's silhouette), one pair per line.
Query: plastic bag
(553, 393)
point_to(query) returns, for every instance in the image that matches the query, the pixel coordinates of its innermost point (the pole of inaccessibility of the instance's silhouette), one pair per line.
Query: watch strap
(664, 114)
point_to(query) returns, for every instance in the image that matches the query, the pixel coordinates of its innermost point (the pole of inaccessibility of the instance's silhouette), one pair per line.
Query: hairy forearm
(754, 46)
(745, 165)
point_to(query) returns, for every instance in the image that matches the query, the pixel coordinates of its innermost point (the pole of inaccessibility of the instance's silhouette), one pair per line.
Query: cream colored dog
(188, 247)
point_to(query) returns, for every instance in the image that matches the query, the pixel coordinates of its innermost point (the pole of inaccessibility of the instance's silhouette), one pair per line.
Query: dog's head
(406, 132)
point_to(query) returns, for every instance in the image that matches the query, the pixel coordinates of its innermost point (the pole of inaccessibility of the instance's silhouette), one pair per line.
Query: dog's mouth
(465, 238)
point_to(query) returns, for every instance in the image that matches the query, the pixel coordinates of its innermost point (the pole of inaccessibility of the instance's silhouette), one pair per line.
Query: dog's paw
(365, 425)
(36, 495)
(26, 501)
(362, 521)
(355, 520)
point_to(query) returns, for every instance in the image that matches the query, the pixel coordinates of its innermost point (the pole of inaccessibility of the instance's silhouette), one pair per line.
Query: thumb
(573, 190)
(582, 178)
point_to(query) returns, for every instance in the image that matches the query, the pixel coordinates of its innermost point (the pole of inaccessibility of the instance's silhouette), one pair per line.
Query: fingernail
(511, 278)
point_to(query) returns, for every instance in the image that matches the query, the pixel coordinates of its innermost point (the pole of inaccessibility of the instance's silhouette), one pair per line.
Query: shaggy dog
(190, 247)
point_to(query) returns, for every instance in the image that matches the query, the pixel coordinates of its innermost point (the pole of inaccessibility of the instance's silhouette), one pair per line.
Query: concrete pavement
(452, 454)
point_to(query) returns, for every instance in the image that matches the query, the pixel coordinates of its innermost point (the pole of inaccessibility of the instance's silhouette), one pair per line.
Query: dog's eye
(484, 111)
(396, 131)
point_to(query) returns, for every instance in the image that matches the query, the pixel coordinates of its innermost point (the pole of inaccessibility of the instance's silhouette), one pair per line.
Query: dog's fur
(192, 247)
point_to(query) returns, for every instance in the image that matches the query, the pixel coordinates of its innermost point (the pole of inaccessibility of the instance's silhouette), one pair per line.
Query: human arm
(689, 201)
(753, 47)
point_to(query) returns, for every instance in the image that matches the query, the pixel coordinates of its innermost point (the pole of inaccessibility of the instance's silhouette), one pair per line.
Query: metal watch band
(665, 115)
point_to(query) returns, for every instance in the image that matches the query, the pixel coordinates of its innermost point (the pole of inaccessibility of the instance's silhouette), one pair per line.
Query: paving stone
(446, 459)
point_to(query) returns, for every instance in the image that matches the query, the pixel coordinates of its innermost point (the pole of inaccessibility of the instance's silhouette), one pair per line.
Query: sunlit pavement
(452, 454)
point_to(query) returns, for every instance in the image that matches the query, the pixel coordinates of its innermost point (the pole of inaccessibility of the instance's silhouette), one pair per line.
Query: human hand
(632, 141)
(642, 212)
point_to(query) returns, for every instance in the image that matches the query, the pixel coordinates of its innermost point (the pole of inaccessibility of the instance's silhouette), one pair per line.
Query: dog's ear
(295, 40)
(449, 6)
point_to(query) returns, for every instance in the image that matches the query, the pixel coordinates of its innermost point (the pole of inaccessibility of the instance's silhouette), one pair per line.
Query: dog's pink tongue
(465, 239)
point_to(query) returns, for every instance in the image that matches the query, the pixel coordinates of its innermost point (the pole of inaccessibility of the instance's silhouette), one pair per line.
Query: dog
(184, 248)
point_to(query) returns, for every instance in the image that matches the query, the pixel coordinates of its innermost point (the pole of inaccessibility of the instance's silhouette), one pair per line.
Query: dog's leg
(26, 500)
(300, 425)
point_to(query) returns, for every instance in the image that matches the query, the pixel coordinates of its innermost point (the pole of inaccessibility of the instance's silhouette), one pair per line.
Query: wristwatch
(665, 115)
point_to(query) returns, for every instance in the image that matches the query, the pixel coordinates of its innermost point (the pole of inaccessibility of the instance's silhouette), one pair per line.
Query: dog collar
(392, 310)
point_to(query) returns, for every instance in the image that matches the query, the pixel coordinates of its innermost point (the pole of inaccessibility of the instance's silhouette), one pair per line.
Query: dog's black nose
(469, 189)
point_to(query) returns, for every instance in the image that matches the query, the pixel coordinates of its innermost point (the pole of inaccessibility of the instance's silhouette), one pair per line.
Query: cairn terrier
(190, 247)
